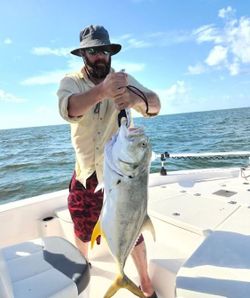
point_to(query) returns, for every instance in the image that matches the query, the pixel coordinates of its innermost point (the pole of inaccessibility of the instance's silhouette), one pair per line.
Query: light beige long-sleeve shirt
(90, 132)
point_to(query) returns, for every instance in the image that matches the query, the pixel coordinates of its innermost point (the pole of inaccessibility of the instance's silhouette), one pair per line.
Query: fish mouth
(133, 165)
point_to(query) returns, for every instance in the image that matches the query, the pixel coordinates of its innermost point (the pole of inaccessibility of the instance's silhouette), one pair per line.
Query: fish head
(131, 151)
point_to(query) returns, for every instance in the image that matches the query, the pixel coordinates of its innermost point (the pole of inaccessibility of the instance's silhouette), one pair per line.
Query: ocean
(40, 160)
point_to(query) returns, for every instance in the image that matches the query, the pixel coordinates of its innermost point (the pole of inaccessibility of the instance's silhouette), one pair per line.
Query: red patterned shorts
(85, 206)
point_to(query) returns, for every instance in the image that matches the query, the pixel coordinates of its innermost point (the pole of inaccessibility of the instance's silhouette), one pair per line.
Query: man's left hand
(125, 100)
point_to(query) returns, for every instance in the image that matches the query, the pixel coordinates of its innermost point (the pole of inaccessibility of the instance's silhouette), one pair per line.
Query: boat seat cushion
(5, 282)
(220, 267)
(45, 267)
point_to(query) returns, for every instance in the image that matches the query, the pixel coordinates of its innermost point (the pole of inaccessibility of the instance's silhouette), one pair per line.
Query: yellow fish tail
(122, 281)
(96, 232)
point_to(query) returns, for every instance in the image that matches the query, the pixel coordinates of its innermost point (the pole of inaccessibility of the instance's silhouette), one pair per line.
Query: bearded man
(91, 100)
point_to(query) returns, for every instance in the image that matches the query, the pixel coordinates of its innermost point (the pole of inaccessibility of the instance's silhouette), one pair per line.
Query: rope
(206, 155)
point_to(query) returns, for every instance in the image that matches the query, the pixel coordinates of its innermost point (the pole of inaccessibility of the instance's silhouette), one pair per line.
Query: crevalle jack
(124, 215)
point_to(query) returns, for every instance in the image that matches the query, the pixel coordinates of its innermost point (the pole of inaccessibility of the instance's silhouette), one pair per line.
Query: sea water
(40, 160)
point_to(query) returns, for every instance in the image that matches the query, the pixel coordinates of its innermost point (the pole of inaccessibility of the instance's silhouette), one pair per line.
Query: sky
(194, 54)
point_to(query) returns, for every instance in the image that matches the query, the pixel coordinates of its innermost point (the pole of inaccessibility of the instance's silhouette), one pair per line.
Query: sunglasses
(95, 51)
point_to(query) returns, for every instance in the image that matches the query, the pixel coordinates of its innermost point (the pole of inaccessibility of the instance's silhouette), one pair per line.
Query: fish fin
(148, 225)
(96, 232)
(122, 281)
(100, 186)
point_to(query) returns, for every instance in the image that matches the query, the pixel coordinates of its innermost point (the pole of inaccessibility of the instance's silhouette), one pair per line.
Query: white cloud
(128, 66)
(134, 43)
(217, 56)
(75, 64)
(7, 41)
(11, 98)
(176, 98)
(234, 68)
(155, 39)
(226, 12)
(240, 40)
(196, 69)
(53, 77)
(130, 42)
(45, 51)
(176, 90)
(208, 33)
(230, 44)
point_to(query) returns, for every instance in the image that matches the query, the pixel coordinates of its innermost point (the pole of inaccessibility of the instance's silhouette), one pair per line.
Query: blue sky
(195, 54)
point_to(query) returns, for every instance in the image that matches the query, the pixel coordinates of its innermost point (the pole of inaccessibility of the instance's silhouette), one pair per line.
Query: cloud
(208, 33)
(75, 64)
(155, 39)
(234, 68)
(175, 99)
(176, 90)
(128, 41)
(196, 69)
(226, 12)
(11, 98)
(128, 66)
(217, 56)
(45, 51)
(47, 78)
(239, 40)
(134, 43)
(7, 41)
(230, 44)
(53, 77)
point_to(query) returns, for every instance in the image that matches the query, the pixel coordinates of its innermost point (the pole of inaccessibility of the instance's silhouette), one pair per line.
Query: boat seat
(220, 267)
(45, 267)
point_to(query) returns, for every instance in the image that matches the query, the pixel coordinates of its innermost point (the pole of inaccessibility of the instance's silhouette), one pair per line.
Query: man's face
(97, 62)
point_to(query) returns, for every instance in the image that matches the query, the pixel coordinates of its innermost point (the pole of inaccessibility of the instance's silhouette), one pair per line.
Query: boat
(202, 223)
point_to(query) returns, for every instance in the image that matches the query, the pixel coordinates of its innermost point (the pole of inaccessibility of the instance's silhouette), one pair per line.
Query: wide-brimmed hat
(96, 36)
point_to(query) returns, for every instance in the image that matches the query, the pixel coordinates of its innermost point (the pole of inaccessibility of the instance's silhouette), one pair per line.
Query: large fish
(124, 214)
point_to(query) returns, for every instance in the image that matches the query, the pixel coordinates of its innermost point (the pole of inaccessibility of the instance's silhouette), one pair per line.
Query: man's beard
(99, 69)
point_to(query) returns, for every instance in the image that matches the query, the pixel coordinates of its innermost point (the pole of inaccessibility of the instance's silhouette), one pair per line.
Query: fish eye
(143, 144)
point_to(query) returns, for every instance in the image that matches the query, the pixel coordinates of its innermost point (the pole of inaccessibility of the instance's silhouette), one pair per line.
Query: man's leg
(84, 206)
(82, 246)
(139, 256)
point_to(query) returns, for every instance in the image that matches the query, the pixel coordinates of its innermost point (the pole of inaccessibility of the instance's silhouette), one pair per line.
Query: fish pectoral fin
(148, 225)
(123, 282)
(100, 186)
(96, 232)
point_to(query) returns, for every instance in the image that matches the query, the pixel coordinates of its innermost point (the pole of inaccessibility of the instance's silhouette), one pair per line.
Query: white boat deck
(219, 210)
(200, 206)
(202, 223)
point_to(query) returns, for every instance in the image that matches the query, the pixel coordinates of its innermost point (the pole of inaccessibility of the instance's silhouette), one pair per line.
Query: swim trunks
(85, 206)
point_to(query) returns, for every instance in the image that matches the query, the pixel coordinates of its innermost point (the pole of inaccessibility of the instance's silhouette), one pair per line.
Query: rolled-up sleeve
(67, 88)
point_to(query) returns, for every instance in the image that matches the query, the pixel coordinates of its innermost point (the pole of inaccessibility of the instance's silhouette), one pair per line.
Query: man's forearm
(79, 104)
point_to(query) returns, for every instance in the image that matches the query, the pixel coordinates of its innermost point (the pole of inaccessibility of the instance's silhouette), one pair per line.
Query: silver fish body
(124, 213)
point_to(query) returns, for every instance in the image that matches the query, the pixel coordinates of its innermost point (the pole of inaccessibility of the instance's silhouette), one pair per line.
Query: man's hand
(125, 100)
(114, 85)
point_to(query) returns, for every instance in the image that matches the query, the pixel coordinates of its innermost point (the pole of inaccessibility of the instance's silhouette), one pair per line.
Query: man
(90, 100)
